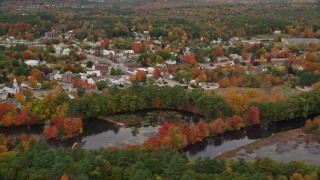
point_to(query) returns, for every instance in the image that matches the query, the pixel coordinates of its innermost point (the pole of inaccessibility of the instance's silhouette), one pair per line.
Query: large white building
(11, 89)
(33, 62)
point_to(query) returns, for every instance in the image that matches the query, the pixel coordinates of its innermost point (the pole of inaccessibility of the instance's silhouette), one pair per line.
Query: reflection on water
(113, 136)
(17, 131)
(100, 133)
(213, 146)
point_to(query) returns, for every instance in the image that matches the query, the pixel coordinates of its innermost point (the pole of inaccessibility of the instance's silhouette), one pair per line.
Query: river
(100, 133)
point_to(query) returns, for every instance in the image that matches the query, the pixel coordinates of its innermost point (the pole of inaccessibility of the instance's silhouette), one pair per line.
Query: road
(6, 43)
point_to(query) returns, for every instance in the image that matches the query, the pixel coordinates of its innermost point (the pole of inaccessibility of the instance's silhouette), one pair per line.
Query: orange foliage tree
(224, 82)
(189, 58)
(217, 126)
(244, 55)
(141, 76)
(137, 47)
(19, 97)
(7, 120)
(32, 82)
(254, 115)
(171, 69)
(316, 86)
(238, 122)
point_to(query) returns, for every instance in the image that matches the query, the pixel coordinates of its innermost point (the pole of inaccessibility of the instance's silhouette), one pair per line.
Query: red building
(70, 78)
(101, 67)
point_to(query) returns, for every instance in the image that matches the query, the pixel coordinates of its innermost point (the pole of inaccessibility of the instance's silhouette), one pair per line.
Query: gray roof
(9, 85)
(114, 77)
(95, 79)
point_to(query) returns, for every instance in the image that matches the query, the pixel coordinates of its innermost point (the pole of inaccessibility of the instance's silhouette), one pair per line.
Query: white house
(84, 76)
(171, 62)
(24, 84)
(12, 88)
(277, 32)
(3, 94)
(10, 39)
(91, 51)
(107, 53)
(58, 50)
(97, 73)
(218, 41)
(66, 51)
(156, 42)
(235, 56)
(33, 62)
(222, 59)
(128, 52)
(161, 65)
(55, 75)
(94, 80)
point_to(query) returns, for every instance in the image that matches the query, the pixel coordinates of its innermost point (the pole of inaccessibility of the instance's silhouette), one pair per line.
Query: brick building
(70, 78)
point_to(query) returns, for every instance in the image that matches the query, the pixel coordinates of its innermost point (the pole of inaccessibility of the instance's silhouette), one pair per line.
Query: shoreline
(251, 147)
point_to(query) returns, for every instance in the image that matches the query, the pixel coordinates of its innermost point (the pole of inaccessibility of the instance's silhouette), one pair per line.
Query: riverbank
(285, 146)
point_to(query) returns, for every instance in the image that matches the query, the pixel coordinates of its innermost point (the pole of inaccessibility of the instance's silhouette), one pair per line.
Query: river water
(100, 134)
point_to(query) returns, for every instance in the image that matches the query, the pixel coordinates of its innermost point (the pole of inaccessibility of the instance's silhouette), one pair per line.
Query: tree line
(37, 161)
(137, 97)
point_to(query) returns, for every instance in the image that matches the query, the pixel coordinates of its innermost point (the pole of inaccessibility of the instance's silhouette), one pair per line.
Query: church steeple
(15, 84)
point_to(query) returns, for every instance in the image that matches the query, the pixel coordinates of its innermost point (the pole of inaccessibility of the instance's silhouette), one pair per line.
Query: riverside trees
(37, 161)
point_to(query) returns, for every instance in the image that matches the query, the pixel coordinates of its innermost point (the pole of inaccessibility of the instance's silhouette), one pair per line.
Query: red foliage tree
(69, 67)
(71, 127)
(217, 126)
(269, 59)
(254, 115)
(219, 52)
(36, 73)
(189, 58)
(77, 84)
(156, 72)
(238, 122)
(171, 69)
(244, 56)
(25, 54)
(105, 43)
(151, 143)
(252, 59)
(21, 117)
(5, 108)
(194, 134)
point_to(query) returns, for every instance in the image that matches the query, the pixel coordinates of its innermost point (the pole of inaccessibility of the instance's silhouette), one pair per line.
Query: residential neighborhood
(165, 89)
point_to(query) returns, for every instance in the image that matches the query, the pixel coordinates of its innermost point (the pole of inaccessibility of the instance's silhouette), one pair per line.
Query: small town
(159, 89)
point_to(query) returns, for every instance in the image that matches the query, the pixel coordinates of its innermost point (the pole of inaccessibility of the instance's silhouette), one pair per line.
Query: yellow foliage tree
(237, 101)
